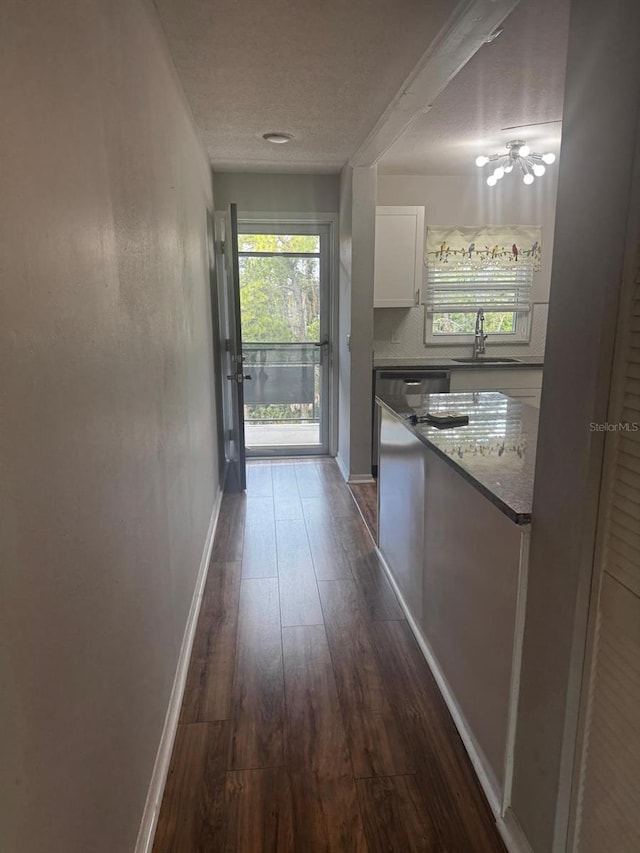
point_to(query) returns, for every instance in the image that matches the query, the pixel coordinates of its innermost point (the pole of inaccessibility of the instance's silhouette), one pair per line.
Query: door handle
(324, 343)
(239, 377)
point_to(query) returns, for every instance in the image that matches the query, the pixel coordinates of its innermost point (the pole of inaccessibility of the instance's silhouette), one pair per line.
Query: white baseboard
(512, 834)
(343, 468)
(163, 756)
(352, 478)
(473, 750)
(357, 479)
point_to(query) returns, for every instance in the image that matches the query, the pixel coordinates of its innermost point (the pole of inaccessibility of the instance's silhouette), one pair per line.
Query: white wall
(463, 200)
(277, 193)
(357, 250)
(107, 437)
(602, 93)
(364, 233)
(344, 320)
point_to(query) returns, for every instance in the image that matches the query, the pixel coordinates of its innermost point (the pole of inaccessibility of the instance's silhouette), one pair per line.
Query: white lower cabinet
(522, 384)
(459, 564)
(527, 395)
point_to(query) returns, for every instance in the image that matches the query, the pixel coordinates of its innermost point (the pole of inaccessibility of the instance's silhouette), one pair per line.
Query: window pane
(495, 323)
(280, 299)
(302, 243)
(282, 398)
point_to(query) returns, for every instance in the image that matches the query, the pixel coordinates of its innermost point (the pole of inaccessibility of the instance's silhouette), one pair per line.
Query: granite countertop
(446, 363)
(495, 451)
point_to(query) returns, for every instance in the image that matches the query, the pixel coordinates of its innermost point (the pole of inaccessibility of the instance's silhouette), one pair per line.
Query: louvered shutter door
(608, 818)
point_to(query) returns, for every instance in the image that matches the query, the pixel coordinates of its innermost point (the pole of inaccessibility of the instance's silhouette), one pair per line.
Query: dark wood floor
(366, 497)
(311, 721)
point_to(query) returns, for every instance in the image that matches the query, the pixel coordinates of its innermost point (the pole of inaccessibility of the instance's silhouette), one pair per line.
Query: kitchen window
(469, 269)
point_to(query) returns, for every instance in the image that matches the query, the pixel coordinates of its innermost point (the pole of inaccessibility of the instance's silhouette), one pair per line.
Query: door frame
(215, 286)
(230, 364)
(290, 219)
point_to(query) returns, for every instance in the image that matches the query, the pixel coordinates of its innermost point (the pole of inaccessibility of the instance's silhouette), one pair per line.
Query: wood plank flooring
(310, 720)
(366, 496)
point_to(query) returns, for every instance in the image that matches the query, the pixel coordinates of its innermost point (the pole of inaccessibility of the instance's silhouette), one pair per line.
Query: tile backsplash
(399, 333)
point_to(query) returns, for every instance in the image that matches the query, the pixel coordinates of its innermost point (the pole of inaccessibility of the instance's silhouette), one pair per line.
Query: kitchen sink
(484, 360)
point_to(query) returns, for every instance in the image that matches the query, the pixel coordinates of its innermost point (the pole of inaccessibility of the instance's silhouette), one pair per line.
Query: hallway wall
(277, 192)
(344, 320)
(363, 233)
(107, 413)
(585, 289)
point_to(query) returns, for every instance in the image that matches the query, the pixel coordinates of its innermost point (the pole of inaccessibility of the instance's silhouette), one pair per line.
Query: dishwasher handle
(412, 376)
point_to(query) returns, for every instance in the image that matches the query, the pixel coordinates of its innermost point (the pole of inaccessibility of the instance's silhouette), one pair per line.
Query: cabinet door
(496, 379)
(526, 395)
(398, 256)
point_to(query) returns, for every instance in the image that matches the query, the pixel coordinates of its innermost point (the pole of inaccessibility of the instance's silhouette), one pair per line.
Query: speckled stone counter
(447, 363)
(495, 451)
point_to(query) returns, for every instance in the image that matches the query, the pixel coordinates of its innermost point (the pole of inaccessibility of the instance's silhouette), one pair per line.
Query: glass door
(283, 273)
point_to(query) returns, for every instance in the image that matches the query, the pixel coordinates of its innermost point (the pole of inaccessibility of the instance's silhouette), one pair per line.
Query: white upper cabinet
(399, 256)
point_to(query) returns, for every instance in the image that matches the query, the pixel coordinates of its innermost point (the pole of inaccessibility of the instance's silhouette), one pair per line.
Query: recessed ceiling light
(278, 138)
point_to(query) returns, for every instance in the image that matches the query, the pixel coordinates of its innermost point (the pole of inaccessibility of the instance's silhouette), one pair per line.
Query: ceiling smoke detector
(278, 138)
(519, 155)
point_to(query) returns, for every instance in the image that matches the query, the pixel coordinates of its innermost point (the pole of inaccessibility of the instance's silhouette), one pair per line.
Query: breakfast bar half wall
(454, 524)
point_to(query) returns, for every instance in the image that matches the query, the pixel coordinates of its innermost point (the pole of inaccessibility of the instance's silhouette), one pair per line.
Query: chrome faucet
(479, 336)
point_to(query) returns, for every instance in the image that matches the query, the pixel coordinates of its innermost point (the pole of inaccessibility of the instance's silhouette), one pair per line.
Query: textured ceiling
(323, 70)
(516, 81)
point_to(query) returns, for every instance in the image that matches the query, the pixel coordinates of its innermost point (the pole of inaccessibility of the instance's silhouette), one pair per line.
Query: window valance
(490, 267)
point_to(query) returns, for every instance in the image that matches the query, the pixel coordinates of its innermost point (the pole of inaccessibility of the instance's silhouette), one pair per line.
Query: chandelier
(518, 156)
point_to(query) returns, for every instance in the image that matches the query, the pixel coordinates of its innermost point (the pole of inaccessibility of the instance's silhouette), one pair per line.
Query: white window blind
(472, 268)
(456, 288)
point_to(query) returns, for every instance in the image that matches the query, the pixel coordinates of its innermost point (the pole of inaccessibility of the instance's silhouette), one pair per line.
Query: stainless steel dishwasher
(402, 382)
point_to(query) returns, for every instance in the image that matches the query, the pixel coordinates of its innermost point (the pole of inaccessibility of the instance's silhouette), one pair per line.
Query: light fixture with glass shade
(519, 155)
